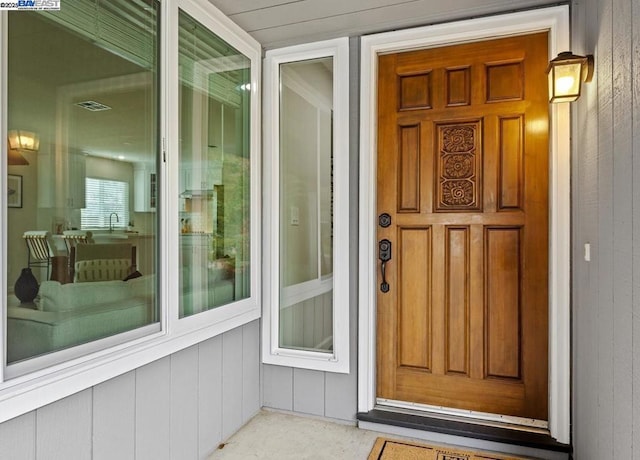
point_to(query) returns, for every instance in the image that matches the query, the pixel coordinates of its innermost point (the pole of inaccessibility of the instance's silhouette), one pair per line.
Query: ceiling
(277, 23)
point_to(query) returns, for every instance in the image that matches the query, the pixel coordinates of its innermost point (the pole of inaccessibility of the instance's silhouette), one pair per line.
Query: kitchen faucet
(110, 224)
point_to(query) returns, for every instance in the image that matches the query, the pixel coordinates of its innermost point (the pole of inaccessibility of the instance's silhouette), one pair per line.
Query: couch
(64, 315)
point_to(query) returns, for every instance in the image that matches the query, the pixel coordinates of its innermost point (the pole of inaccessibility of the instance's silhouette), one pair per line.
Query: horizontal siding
(169, 409)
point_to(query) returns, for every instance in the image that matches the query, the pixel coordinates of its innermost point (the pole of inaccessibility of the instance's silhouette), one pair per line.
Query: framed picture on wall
(14, 185)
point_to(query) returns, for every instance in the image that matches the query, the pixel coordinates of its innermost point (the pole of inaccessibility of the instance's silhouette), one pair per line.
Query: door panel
(457, 307)
(414, 324)
(463, 173)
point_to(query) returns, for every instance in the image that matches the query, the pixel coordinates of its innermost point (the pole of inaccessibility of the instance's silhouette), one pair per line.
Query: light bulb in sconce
(566, 74)
(564, 84)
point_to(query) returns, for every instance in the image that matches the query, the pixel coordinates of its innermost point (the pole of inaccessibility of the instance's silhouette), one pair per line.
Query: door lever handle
(384, 254)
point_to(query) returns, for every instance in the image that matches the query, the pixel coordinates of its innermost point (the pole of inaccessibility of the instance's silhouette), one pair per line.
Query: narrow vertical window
(306, 319)
(306, 205)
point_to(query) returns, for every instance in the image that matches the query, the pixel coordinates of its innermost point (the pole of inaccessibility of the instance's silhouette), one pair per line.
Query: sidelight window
(307, 289)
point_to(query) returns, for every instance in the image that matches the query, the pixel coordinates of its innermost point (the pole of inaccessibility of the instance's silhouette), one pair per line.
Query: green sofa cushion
(54, 296)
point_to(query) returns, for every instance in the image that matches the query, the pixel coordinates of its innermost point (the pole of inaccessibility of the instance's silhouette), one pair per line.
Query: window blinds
(104, 197)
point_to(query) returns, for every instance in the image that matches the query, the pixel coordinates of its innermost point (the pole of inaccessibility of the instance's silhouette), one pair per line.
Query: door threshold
(536, 439)
(481, 418)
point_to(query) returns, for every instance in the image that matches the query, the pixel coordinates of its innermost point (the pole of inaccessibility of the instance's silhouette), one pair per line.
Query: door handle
(384, 254)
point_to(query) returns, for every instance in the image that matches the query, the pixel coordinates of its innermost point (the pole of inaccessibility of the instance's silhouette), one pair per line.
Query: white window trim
(241, 41)
(272, 353)
(30, 385)
(556, 21)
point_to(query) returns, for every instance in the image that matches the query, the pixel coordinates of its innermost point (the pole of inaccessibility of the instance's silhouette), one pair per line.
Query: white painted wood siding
(179, 407)
(606, 212)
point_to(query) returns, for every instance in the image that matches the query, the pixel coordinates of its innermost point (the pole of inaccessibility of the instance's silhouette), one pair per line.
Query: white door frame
(556, 21)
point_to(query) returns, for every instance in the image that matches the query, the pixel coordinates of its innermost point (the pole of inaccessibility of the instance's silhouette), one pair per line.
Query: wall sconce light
(23, 140)
(566, 74)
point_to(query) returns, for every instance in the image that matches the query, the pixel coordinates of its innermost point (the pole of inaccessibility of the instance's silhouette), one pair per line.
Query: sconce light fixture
(23, 140)
(566, 74)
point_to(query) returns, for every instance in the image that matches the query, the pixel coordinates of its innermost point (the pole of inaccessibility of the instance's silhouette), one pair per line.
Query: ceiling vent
(93, 106)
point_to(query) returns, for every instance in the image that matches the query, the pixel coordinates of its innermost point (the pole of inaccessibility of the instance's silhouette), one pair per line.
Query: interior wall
(29, 216)
(298, 175)
(606, 212)
(180, 408)
(22, 219)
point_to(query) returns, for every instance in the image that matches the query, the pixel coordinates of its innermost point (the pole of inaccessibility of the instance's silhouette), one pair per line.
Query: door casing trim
(555, 20)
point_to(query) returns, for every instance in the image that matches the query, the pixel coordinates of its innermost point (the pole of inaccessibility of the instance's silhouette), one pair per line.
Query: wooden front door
(463, 180)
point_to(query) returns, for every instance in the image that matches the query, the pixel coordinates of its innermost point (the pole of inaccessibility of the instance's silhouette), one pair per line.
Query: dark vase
(26, 287)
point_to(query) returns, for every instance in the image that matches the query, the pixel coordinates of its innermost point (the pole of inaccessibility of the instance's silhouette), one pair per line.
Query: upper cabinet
(70, 166)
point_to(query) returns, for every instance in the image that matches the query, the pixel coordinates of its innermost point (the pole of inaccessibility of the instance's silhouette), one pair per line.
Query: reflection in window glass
(84, 82)
(306, 205)
(214, 169)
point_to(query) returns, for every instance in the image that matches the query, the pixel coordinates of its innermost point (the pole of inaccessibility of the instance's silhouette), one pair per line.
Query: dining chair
(39, 251)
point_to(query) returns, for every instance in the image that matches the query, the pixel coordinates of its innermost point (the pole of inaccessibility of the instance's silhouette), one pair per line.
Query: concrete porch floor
(274, 435)
(283, 436)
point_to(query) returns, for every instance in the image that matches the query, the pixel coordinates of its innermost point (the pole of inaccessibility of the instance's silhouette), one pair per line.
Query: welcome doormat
(393, 449)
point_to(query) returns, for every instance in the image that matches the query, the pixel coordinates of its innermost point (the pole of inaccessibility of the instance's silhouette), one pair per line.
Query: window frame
(272, 352)
(33, 383)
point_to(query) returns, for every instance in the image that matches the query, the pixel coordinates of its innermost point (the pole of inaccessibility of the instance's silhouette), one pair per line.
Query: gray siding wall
(328, 394)
(179, 408)
(606, 214)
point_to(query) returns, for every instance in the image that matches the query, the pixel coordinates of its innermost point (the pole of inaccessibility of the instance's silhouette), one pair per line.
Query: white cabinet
(144, 188)
(61, 179)
(200, 176)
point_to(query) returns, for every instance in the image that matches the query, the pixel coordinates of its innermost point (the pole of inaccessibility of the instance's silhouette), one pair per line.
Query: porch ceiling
(277, 23)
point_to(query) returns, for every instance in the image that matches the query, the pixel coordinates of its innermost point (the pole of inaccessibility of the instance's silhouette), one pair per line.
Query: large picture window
(132, 226)
(95, 111)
